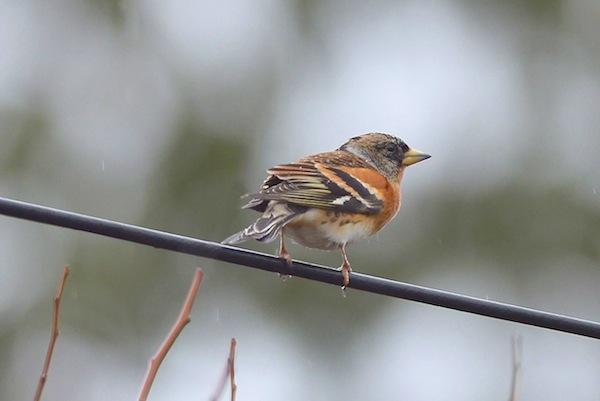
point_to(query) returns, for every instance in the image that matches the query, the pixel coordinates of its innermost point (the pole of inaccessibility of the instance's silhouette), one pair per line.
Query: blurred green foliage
(121, 294)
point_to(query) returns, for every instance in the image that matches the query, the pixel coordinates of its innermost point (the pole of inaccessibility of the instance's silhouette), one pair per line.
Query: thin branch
(257, 260)
(54, 332)
(182, 321)
(228, 372)
(517, 350)
(231, 365)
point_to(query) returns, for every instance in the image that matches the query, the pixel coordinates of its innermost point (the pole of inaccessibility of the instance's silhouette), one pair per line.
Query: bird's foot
(345, 269)
(284, 276)
(285, 256)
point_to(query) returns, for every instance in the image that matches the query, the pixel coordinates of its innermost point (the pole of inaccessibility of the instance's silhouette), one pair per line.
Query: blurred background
(162, 113)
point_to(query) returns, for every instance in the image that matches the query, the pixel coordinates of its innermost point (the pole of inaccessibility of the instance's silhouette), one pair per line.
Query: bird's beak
(414, 156)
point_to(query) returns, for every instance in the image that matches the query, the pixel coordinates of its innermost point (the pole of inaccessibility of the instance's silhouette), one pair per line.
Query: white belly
(318, 229)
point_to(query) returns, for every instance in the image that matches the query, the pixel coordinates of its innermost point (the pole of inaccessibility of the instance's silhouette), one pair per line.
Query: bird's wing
(334, 181)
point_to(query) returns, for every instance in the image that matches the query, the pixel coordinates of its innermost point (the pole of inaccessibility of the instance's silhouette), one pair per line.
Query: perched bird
(330, 199)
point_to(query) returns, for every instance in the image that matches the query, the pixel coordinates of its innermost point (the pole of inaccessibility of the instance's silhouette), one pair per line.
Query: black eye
(391, 148)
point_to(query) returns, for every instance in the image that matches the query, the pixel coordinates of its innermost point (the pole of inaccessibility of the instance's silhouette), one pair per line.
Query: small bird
(331, 199)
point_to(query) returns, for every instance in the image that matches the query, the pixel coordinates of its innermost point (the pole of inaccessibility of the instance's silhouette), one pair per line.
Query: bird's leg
(345, 268)
(283, 253)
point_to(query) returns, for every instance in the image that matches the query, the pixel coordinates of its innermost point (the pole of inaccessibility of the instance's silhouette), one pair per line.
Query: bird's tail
(266, 227)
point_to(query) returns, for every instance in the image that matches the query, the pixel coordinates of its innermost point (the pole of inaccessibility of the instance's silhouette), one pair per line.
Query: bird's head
(388, 154)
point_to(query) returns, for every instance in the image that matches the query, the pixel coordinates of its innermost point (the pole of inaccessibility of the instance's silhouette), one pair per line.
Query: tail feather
(267, 227)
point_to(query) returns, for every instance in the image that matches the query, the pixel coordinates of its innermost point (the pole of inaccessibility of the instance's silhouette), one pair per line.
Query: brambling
(330, 199)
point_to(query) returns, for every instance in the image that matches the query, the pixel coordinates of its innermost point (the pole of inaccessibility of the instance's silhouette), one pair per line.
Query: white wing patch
(341, 200)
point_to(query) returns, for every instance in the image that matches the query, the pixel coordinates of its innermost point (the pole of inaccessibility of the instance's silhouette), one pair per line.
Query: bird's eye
(390, 148)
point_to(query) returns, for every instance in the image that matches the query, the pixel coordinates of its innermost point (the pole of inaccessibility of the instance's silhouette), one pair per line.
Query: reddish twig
(53, 334)
(517, 348)
(229, 372)
(182, 321)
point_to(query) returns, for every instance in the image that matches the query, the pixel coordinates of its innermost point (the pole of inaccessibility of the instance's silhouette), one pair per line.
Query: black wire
(238, 256)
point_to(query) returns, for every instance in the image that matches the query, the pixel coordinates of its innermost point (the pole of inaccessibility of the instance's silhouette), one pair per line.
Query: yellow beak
(414, 156)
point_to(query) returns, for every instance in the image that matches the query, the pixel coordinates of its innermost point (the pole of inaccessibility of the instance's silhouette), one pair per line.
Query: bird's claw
(286, 257)
(345, 269)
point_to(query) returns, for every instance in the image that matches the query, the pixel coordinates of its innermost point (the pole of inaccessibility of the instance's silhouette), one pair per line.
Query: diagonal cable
(257, 260)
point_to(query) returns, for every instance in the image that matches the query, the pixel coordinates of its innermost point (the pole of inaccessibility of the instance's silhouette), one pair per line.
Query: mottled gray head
(385, 152)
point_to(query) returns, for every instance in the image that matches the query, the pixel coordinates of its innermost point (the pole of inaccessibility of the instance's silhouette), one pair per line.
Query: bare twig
(229, 372)
(517, 349)
(53, 334)
(231, 365)
(182, 321)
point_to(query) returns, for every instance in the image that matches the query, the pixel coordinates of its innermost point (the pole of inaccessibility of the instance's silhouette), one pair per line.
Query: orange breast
(393, 200)
(387, 190)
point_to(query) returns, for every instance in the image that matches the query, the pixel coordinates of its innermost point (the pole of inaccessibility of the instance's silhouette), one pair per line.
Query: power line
(244, 257)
